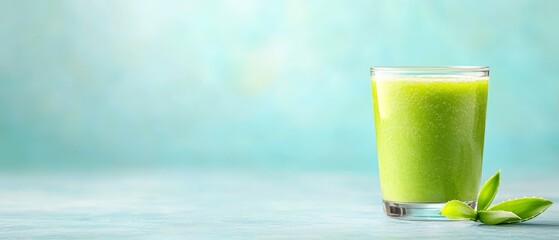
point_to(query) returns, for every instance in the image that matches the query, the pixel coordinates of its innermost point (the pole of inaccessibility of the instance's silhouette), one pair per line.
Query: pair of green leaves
(511, 211)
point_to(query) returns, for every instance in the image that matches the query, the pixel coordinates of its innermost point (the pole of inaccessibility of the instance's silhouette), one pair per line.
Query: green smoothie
(430, 132)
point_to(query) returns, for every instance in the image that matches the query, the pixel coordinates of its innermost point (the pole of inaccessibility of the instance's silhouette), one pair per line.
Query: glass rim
(431, 68)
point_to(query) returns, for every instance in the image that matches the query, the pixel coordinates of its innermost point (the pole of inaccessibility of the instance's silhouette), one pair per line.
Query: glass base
(417, 211)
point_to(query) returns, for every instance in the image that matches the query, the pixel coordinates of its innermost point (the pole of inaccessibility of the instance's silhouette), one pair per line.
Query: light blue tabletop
(210, 204)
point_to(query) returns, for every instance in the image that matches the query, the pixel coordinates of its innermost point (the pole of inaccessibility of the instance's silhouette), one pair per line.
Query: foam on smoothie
(429, 78)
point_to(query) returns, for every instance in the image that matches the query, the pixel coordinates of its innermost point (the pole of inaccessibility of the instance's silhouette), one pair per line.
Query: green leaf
(526, 208)
(458, 210)
(496, 217)
(488, 192)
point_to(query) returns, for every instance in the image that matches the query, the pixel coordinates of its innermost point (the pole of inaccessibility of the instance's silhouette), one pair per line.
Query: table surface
(211, 204)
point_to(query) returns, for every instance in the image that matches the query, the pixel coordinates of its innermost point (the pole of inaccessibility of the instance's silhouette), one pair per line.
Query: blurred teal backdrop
(257, 84)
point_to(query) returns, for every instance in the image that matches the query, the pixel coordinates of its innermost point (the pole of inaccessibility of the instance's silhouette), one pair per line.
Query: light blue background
(257, 84)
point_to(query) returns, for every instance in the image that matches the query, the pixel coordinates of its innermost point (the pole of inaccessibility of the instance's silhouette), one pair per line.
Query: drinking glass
(430, 126)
